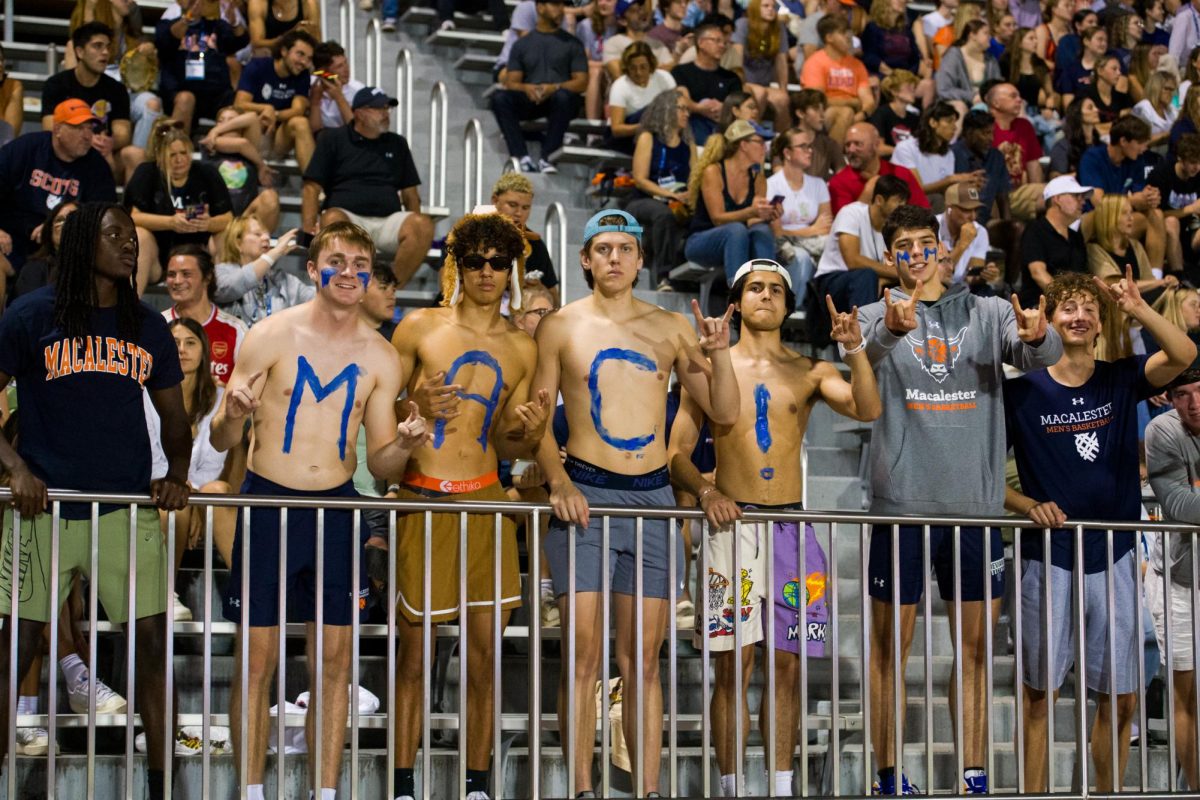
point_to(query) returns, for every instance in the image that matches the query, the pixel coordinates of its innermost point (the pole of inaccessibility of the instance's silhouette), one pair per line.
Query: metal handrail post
(404, 114)
(439, 114)
(555, 227)
(374, 55)
(346, 31)
(8, 20)
(472, 165)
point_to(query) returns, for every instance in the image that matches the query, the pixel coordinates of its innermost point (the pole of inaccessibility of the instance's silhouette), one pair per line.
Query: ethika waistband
(581, 471)
(419, 481)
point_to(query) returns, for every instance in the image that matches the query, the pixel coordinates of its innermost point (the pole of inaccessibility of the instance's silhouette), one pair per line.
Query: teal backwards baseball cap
(630, 226)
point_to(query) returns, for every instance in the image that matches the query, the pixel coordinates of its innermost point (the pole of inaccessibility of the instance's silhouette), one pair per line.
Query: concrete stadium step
(424, 15)
(488, 41)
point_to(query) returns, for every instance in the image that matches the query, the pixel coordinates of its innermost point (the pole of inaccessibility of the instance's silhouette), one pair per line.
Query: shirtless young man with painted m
(758, 468)
(305, 380)
(611, 356)
(469, 369)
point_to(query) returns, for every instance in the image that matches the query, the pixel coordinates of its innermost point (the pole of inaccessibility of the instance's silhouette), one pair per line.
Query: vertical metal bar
(864, 672)
(535, 660)
(958, 665)
(463, 625)
(8, 37)
(927, 644)
(374, 54)
(404, 93)
(989, 755)
(281, 645)
(1195, 643)
(1109, 607)
(346, 20)
(735, 578)
(390, 709)
(206, 653)
(567, 629)
(1048, 685)
(605, 655)
(437, 144)
(14, 623)
(244, 672)
(767, 705)
(169, 656)
(897, 672)
(555, 233)
(318, 693)
(93, 584)
(472, 165)
(1081, 740)
(426, 658)
(1018, 661)
(355, 631)
(672, 670)
(131, 642)
(52, 683)
(834, 664)
(705, 708)
(1143, 746)
(1172, 772)
(497, 693)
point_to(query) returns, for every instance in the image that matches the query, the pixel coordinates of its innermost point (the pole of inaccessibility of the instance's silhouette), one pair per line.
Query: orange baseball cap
(74, 112)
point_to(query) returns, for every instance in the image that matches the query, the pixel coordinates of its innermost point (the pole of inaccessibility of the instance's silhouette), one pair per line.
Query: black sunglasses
(474, 262)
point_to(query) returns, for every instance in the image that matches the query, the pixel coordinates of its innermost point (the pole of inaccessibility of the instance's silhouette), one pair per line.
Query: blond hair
(512, 182)
(1170, 305)
(348, 232)
(231, 250)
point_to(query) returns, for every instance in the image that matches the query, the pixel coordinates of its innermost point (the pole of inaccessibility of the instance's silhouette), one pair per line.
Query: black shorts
(342, 592)
(941, 552)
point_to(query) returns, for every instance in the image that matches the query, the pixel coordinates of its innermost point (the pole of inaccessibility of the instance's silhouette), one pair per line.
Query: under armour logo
(235, 602)
(1087, 445)
(1076, 401)
(878, 582)
(933, 324)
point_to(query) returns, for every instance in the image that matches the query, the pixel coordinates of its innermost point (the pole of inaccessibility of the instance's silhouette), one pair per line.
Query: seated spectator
(806, 219)
(1050, 245)
(633, 21)
(332, 90)
(808, 110)
(123, 18)
(1004, 28)
(108, 99)
(889, 44)
(1191, 71)
(1070, 46)
(760, 38)
(1158, 108)
(853, 264)
(1080, 132)
(1102, 91)
(975, 157)
(927, 26)
(808, 41)
(378, 310)
(524, 19)
(271, 20)
(1177, 179)
(840, 76)
(592, 31)
(1188, 120)
(1114, 253)
(277, 90)
(1014, 137)
(497, 9)
(968, 11)
(670, 31)
(928, 154)
(965, 238)
(546, 76)
(1029, 73)
(191, 282)
(512, 195)
(1124, 34)
(1057, 24)
(1184, 37)
(639, 84)
(42, 267)
(863, 164)
(1154, 15)
(662, 162)
(728, 195)
(1139, 71)
(194, 79)
(368, 177)
(66, 168)
(1121, 167)
(174, 200)
(705, 82)
(967, 66)
(12, 103)
(250, 284)
(896, 118)
(731, 58)
(1171, 463)
(233, 146)
(1074, 77)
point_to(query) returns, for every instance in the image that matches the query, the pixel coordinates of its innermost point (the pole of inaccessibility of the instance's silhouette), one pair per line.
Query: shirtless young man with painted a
(759, 468)
(305, 380)
(611, 356)
(469, 369)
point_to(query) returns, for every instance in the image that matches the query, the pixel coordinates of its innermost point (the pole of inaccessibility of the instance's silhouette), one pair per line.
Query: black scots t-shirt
(1078, 446)
(108, 98)
(362, 175)
(82, 424)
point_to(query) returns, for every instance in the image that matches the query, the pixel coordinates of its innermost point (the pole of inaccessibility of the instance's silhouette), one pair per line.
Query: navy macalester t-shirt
(82, 424)
(1078, 446)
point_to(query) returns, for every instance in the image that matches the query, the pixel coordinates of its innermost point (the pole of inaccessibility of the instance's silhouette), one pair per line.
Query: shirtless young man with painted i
(758, 468)
(611, 356)
(305, 380)
(469, 369)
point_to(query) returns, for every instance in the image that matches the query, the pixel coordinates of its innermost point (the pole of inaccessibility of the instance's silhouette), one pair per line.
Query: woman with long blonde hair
(760, 39)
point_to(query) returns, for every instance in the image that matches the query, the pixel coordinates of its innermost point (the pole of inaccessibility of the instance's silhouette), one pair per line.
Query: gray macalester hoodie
(939, 446)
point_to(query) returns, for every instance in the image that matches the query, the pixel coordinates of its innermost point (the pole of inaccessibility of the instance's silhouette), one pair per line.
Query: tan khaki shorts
(1024, 201)
(384, 231)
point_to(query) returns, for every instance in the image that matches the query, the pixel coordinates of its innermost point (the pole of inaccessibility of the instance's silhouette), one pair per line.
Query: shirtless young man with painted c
(469, 369)
(758, 467)
(611, 356)
(305, 380)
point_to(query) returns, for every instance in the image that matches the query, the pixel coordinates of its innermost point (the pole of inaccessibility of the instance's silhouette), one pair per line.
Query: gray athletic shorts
(1126, 604)
(622, 537)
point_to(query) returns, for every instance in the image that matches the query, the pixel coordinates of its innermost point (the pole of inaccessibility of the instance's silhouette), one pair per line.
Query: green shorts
(75, 555)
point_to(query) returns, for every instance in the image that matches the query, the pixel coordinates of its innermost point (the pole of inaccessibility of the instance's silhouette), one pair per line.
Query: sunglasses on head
(474, 262)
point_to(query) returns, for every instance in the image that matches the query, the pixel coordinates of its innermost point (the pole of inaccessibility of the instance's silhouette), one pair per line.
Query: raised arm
(858, 398)
(710, 380)
(1177, 353)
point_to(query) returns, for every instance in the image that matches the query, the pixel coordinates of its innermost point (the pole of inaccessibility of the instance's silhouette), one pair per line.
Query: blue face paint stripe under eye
(306, 376)
(327, 274)
(616, 354)
(489, 403)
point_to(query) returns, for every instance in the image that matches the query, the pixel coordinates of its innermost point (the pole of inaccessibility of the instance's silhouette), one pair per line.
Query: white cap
(762, 265)
(1064, 184)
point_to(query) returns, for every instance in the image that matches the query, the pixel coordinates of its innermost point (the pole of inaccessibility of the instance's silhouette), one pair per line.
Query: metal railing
(823, 730)
(472, 165)
(555, 227)
(439, 114)
(374, 55)
(404, 89)
(346, 31)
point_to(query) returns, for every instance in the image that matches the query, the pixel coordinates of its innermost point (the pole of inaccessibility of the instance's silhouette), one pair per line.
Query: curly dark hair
(1068, 285)
(478, 233)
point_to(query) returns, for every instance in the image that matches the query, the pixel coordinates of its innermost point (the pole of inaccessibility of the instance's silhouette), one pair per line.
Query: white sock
(783, 783)
(27, 705)
(547, 587)
(255, 792)
(729, 786)
(73, 669)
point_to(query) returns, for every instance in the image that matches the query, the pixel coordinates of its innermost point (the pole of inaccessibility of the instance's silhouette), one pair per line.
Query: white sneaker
(33, 741)
(527, 164)
(180, 612)
(479, 796)
(389, 25)
(107, 701)
(546, 168)
(549, 612)
(447, 25)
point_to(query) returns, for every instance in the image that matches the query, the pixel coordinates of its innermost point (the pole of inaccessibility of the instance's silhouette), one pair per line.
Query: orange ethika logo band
(420, 481)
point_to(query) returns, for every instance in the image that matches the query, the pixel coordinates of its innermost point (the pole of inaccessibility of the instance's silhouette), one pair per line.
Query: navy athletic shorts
(941, 552)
